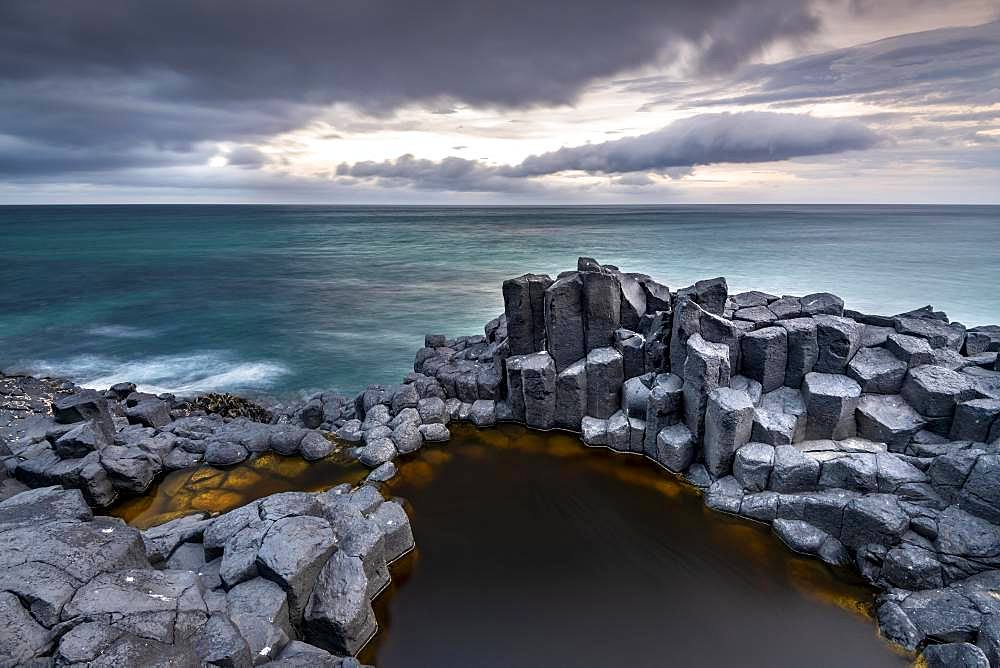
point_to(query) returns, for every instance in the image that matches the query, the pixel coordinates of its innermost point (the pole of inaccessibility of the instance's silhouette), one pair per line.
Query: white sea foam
(121, 332)
(183, 374)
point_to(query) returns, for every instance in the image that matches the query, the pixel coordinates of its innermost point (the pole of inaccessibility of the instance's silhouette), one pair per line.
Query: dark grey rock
(434, 433)
(224, 453)
(877, 371)
(803, 349)
(21, 637)
(259, 609)
(830, 401)
(524, 306)
(955, 655)
(910, 349)
(571, 395)
(875, 335)
(856, 471)
(407, 438)
(602, 305)
(482, 413)
(728, 424)
(793, 471)
(131, 468)
(710, 294)
(822, 303)
(838, 339)
(725, 495)
(875, 518)
(764, 354)
(594, 431)
(675, 447)
(752, 466)
(935, 391)
(292, 553)
(162, 540)
(219, 643)
(896, 627)
(378, 452)
(605, 375)
(799, 536)
(939, 334)
(910, 567)
(706, 368)
(974, 419)
(635, 395)
(81, 440)
(664, 407)
(395, 525)
(339, 616)
(887, 419)
(538, 386)
(632, 347)
(431, 410)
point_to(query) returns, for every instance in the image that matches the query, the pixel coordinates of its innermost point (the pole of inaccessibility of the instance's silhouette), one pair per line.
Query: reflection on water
(535, 550)
(218, 490)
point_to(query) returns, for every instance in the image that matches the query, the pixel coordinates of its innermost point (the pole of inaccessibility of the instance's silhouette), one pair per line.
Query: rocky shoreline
(865, 440)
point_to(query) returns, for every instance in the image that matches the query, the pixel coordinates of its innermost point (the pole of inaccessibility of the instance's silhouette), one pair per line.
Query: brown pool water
(536, 550)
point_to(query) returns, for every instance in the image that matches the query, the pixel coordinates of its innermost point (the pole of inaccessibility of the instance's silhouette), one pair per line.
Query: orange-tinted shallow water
(535, 550)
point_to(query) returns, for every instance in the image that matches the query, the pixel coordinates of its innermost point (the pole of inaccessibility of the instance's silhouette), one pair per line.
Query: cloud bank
(746, 137)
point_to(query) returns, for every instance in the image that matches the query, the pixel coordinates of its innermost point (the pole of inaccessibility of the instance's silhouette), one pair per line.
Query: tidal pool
(533, 549)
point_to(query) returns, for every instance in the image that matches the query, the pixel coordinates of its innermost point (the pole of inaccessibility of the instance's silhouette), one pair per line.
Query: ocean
(289, 300)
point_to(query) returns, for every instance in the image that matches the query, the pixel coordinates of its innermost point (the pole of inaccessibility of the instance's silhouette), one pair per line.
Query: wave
(183, 374)
(121, 332)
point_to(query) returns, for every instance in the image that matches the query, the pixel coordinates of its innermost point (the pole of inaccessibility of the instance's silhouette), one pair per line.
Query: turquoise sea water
(289, 299)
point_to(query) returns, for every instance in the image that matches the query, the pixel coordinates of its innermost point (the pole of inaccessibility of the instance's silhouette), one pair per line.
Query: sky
(500, 102)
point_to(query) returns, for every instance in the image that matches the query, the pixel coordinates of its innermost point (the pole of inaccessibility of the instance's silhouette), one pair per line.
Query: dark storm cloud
(747, 137)
(949, 66)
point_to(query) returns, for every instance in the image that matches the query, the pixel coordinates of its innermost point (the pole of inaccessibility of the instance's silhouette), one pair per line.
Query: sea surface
(285, 300)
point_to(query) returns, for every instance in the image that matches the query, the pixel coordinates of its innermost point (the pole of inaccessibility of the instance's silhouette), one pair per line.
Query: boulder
(633, 299)
(728, 424)
(877, 371)
(725, 495)
(395, 526)
(955, 655)
(130, 469)
(564, 320)
(830, 400)
(887, 418)
(482, 413)
(259, 609)
(224, 453)
(524, 307)
(434, 432)
(785, 308)
(802, 349)
(219, 643)
(874, 335)
(664, 407)
(601, 309)
(605, 375)
(793, 471)
(635, 395)
(80, 440)
(838, 340)
(675, 447)
(292, 553)
(764, 355)
(571, 395)
(407, 438)
(857, 471)
(910, 349)
(799, 536)
(686, 322)
(657, 295)
(594, 431)
(822, 303)
(432, 411)
(710, 294)
(935, 391)
(161, 541)
(874, 518)
(339, 616)
(619, 432)
(538, 386)
(937, 333)
(377, 452)
(752, 466)
(706, 368)
(632, 347)
(974, 419)
(150, 412)
(82, 406)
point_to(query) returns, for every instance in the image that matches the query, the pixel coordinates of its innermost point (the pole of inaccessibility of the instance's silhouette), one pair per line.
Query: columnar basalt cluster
(863, 439)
